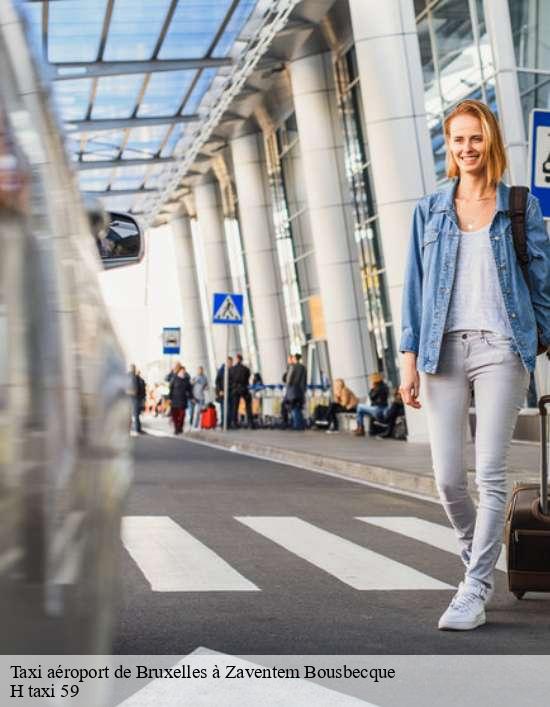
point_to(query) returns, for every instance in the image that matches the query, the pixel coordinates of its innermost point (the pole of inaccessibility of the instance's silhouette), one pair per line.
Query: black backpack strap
(517, 204)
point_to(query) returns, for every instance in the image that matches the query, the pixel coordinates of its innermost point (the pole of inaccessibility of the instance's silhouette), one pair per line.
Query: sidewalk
(384, 462)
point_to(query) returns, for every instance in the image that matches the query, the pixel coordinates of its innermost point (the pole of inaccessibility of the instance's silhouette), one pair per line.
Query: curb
(383, 477)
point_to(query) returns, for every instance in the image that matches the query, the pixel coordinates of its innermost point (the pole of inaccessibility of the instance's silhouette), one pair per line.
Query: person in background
(200, 386)
(163, 399)
(344, 401)
(324, 381)
(159, 399)
(257, 380)
(241, 378)
(138, 392)
(395, 410)
(150, 402)
(285, 404)
(218, 383)
(296, 382)
(257, 387)
(180, 393)
(172, 373)
(378, 396)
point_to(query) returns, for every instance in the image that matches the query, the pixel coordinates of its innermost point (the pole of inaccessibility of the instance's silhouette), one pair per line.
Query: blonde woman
(470, 320)
(344, 401)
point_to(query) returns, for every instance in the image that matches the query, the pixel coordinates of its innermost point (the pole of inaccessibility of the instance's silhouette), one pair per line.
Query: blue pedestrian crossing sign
(171, 340)
(228, 308)
(539, 158)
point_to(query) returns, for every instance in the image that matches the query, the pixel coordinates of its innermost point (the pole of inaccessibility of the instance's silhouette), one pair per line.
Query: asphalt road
(248, 557)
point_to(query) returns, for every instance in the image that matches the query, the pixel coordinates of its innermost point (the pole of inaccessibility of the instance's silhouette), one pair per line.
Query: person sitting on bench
(387, 423)
(378, 396)
(344, 401)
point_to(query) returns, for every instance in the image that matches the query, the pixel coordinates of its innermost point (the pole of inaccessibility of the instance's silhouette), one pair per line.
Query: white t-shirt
(476, 300)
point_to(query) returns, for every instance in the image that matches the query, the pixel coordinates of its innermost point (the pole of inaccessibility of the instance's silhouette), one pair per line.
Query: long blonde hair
(495, 156)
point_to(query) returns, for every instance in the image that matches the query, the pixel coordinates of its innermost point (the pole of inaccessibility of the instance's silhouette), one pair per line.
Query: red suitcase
(208, 418)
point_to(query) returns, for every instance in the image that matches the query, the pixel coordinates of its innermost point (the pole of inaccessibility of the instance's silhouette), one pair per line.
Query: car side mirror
(120, 242)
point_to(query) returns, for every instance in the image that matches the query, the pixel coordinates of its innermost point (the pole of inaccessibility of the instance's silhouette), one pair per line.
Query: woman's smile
(469, 159)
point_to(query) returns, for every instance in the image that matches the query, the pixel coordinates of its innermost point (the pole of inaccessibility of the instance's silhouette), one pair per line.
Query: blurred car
(65, 464)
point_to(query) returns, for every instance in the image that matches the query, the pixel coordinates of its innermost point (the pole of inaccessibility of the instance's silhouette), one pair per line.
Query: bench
(346, 421)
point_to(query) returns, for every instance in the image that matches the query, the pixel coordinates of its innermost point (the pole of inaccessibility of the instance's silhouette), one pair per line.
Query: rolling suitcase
(527, 530)
(208, 418)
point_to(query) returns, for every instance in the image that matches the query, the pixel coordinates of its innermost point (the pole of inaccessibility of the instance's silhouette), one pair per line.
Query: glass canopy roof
(130, 78)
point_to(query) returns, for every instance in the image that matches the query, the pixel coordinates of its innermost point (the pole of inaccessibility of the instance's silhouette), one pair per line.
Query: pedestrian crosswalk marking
(425, 531)
(173, 560)
(352, 564)
(226, 691)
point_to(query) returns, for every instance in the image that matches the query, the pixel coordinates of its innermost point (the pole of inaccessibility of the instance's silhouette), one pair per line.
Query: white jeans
(486, 361)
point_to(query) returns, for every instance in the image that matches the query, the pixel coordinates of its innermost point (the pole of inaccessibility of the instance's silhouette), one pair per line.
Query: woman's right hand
(410, 381)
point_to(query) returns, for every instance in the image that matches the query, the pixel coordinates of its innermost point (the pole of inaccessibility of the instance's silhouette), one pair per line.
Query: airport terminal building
(283, 158)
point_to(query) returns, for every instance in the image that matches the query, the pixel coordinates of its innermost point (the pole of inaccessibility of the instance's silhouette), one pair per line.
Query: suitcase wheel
(519, 595)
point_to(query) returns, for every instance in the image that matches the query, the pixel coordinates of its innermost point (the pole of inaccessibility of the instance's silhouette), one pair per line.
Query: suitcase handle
(543, 402)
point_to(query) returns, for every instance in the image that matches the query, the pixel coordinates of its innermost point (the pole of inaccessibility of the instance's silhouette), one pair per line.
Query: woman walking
(180, 393)
(471, 320)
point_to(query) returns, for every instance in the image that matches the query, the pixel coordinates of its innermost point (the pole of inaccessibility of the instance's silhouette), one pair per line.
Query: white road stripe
(249, 691)
(172, 560)
(350, 563)
(425, 531)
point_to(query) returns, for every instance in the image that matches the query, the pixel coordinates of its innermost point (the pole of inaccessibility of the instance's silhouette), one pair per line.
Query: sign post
(539, 158)
(171, 340)
(539, 184)
(227, 309)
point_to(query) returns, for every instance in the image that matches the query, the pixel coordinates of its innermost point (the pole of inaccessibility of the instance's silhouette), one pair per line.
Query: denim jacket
(431, 268)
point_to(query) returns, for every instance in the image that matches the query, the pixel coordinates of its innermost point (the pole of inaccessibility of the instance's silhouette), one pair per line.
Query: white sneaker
(490, 590)
(466, 610)
(332, 432)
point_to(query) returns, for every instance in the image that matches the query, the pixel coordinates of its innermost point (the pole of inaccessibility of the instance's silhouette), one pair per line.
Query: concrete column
(403, 171)
(499, 29)
(254, 219)
(194, 348)
(216, 268)
(344, 315)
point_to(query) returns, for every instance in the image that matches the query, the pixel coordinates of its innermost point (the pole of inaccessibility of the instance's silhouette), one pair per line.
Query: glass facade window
(279, 145)
(456, 62)
(365, 217)
(200, 271)
(165, 92)
(236, 256)
(134, 29)
(117, 96)
(241, 283)
(531, 29)
(75, 31)
(235, 25)
(288, 145)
